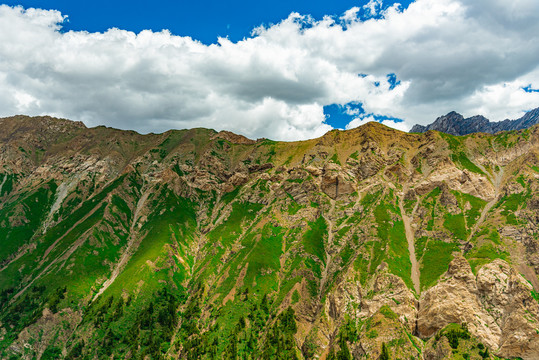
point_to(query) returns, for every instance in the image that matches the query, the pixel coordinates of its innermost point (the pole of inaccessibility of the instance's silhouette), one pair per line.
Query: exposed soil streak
(132, 245)
(411, 246)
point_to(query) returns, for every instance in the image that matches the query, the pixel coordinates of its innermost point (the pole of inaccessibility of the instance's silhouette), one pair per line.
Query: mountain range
(455, 124)
(369, 243)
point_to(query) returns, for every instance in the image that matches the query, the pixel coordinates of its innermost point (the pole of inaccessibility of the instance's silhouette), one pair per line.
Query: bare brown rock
(508, 295)
(456, 300)
(390, 290)
(496, 305)
(335, 183)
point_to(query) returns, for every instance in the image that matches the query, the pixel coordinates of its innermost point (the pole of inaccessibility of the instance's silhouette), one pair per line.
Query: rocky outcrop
(496, 305)
(507, 296)
(335, 183)
(456, 300)
(447, 175)
(389, 290)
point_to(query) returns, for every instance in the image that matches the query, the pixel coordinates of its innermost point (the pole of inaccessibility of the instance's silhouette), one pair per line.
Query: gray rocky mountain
(455, 124)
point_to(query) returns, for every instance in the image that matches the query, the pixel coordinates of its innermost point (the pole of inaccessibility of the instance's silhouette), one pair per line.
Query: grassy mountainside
(195, 244)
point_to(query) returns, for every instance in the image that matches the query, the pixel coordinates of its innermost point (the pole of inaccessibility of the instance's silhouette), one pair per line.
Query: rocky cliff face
(497, 305)
(195, 244)
(455, 124)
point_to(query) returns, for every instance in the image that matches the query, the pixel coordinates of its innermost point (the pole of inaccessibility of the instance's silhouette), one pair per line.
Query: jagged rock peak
(455, 124)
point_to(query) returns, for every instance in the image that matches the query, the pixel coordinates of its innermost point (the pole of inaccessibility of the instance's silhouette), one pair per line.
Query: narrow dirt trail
(132, 246)
(497, 181)
(411, 245)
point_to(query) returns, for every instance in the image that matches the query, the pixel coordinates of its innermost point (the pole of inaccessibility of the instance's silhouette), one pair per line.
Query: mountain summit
(455, 124)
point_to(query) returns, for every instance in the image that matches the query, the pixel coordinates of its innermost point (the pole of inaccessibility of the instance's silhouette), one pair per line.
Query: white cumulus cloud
(472, 56)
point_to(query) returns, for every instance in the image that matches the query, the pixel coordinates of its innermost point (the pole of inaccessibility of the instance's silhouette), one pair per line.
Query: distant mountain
(455, 124)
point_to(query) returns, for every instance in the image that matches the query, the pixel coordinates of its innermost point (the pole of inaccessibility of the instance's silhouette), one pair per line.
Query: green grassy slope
(202, 245)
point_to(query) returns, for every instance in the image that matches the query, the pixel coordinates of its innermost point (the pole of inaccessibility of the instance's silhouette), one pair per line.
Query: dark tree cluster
(26, 310)
(125, 331)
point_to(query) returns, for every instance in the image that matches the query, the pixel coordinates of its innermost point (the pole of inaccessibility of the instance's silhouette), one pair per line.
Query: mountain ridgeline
(369, 243)
(455, 124)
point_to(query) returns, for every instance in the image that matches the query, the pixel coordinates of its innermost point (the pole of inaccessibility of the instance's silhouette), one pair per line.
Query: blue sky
(309, 67)
(202, 20)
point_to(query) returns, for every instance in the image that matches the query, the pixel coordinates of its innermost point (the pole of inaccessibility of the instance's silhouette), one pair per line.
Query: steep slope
(455, 124)
(195, 244)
